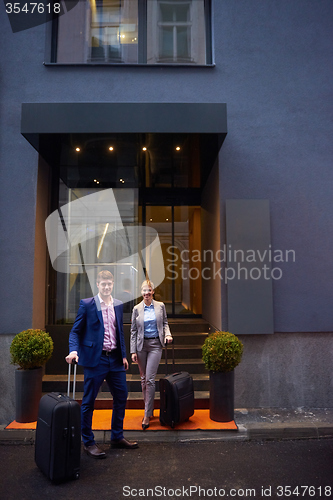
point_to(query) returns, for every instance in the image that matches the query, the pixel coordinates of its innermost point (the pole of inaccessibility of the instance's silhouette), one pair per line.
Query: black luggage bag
(58, 435)
(176, 396)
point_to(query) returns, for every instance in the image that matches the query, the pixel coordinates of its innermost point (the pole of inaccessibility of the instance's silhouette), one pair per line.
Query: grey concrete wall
(41, 253)
(210, 240)
(7, 382)
(274, 71)
(275, 75)
(285, 370)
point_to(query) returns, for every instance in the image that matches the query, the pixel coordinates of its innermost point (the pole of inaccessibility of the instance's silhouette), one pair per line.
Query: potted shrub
(29, 350)
(221, 353)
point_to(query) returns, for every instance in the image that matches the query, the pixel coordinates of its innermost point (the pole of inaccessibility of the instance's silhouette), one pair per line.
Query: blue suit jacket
(87, 335)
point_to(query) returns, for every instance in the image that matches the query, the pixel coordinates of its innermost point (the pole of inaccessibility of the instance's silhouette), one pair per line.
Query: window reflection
(104, 31)
(117, 31)
(114, 31)
(176, 31)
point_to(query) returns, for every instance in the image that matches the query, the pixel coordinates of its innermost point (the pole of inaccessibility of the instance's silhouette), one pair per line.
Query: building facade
(210, 123)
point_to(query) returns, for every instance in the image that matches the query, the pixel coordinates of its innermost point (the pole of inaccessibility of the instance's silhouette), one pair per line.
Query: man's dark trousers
(112, 370)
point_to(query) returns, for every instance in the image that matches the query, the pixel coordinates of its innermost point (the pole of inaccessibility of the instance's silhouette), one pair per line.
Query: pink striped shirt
(109, 320)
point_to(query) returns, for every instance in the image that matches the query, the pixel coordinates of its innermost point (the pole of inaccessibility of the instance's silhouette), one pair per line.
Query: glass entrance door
(179, 231)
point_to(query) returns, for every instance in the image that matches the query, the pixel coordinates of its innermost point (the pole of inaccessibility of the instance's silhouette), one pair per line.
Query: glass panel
(174, 11)
(181, 287)
(91, 164)
(166, 47)
(99, 239)
(181, 12)
(176, 31)
(167, 11)
(99, 31)
(186, 259)
(182, 43)
(160, 218)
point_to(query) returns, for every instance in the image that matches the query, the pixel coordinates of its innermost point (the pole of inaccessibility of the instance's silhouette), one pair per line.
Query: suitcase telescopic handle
(166, 356)
(69, 377)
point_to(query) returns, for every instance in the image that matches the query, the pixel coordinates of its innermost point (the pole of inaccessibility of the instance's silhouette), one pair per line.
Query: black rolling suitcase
(58, 435)
(176, 396)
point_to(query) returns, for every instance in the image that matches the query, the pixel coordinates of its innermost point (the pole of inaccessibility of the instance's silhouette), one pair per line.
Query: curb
(283, 431)
(246, 432)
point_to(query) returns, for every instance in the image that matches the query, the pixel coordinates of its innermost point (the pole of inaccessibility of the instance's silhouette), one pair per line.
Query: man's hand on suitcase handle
(168, 340)
(72, 358)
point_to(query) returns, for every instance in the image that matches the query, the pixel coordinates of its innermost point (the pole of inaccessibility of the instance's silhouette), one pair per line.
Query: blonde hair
(149, 283)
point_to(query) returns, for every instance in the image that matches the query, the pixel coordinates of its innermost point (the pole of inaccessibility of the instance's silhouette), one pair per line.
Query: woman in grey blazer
(149, 332)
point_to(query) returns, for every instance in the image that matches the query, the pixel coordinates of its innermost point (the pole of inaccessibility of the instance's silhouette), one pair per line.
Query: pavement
(279, 469)
(254, 424)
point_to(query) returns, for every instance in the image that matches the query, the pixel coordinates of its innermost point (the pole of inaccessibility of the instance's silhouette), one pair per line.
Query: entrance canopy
(105, 117)
(50, 126)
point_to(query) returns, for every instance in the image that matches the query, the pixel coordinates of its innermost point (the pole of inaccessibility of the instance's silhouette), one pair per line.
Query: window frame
(52, 31)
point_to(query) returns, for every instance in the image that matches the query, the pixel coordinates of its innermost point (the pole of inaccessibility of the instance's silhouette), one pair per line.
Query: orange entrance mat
(133, 419)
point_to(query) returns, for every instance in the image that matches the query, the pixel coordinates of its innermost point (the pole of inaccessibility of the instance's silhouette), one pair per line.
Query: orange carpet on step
(18, 425)
(133, 419)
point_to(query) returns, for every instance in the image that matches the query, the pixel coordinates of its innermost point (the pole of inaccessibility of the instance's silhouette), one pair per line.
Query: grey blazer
(137, 327)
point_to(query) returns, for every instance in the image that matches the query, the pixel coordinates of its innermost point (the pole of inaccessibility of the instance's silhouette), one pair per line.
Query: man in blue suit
(97, 342)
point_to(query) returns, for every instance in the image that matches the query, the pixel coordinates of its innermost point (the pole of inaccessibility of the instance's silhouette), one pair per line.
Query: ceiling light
(78, 149)
(177, 148)
(110, 148)
(144, 148)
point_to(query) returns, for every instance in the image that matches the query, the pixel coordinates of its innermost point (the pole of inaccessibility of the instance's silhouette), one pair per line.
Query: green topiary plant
(31, 349)
(222, 352)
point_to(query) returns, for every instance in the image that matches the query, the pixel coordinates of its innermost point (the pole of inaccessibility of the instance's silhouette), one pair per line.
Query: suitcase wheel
(76, 475)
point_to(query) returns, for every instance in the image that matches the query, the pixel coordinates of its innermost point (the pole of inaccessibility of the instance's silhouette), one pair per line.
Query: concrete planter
(222, 391)
(28, 391)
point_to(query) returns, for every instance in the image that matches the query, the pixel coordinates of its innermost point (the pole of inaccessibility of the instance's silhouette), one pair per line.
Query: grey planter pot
(28, 391)
(221, 398)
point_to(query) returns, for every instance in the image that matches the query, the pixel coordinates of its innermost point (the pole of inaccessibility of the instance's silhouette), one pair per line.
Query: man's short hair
(104, 275)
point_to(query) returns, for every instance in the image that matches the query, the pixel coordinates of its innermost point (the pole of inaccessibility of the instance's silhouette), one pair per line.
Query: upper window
(134, 32)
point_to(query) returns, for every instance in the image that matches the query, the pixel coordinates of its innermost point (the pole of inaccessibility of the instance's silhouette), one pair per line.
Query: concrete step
(185, 351)
(134, 400)
(192, 325)
(200, 382)
(191, 365)
(58, 383)
(189, 338)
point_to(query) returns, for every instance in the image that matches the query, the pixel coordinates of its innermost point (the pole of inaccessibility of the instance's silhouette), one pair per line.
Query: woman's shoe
(144, 426)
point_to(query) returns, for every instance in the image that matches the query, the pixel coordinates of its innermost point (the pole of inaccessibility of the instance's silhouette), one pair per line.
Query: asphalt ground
(292, 469)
